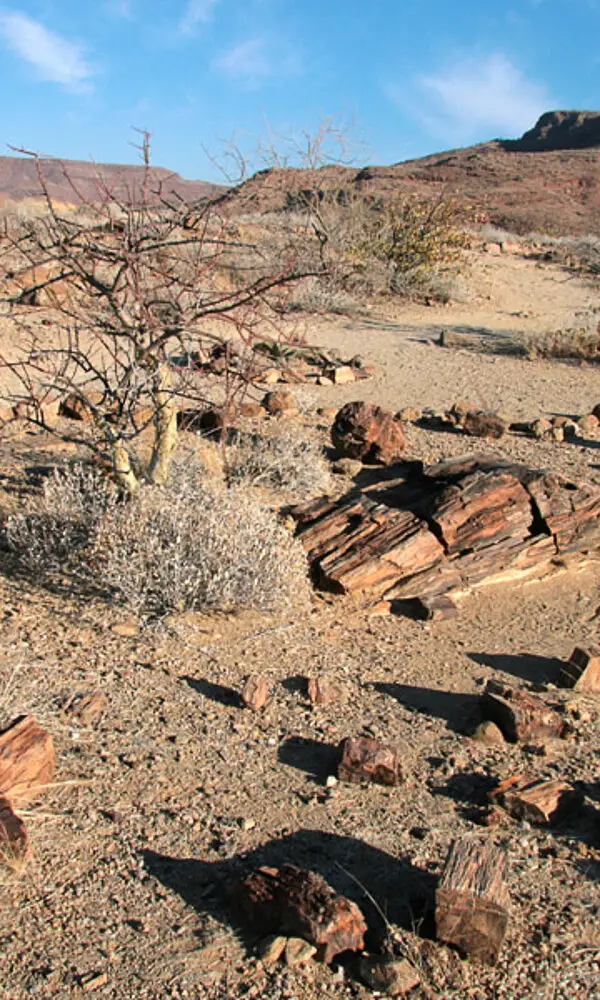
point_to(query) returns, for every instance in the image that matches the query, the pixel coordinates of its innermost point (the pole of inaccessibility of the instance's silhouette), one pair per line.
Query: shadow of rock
(403, 892)
(470, 792)
(215, 692)
(298, 684)
(314, 758)
(525, 666)
(460, 711)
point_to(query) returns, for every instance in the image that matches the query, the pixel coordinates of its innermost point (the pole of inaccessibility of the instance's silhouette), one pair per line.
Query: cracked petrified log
(450, 527)
(471, 902)
(366, 759)
(27, 762)
(299, 903)
(582, 672)
(522, 717)
(535, 800)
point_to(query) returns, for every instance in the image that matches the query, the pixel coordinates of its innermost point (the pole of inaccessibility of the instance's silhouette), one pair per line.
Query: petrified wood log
(27, 762)
(450, 527)
(471, 903)
(582, 672)
(366, 759)
(520, 715)
(255, 694)
(299, 903)
(537, 801)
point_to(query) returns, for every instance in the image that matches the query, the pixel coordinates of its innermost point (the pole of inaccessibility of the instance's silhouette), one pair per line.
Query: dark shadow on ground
(461, 712)
(403, 892)
(215, 692)
(298, 684)
(314, 758)
(525, 666)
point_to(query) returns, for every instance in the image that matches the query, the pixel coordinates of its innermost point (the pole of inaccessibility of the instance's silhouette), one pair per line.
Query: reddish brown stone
(362, 430)
(366, 759)
(27, 762)
(521, 716)
(321, 691)
(479, 423)
(256, 692)
(297, 903)
(582, 672)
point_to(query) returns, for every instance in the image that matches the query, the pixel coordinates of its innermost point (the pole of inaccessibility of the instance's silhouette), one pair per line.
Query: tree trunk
(125, 477)
(165, 438)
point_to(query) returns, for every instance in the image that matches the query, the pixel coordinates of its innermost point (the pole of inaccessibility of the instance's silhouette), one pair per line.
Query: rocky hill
(546, 181)
(70, 181)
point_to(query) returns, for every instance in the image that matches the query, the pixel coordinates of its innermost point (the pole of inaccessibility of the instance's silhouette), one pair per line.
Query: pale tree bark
(122, 469)
(165, 438)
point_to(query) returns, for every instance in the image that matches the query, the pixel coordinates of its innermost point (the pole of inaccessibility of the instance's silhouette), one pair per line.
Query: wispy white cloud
(54, 58)
(196, 13)
(254, 61)
(489, 96)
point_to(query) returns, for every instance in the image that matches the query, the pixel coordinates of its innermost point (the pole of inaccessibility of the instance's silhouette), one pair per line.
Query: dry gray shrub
(189, 545)
(287, 461)
(581, 342)
(219, 548)
(51, 537)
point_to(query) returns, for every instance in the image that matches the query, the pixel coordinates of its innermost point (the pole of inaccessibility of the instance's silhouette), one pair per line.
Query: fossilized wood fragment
(27, 761)
(472, 901)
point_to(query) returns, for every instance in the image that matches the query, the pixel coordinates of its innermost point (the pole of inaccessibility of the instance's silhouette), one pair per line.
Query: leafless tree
(147, 298)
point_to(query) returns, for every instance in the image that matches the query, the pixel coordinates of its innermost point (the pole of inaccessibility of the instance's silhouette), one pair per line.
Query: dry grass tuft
(288, 461)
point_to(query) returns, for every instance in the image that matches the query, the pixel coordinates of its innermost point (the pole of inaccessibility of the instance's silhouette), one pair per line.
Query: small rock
(322, 691)
(271, 949)
(347, 467)
(331, 781)
(256, 692)
(366, 759)
(324, 380)
(280, 402)
(540, 428)
(380, 609)
(480, 423)
(125, 629)
(459, 410)
(409, 415)
(252, 411)
(270, 376)
(341, 375)
(298, 951)
(589, 424)
(492, 248)
(327, 412)
(393, 977)
(488, 733)
(88, 709)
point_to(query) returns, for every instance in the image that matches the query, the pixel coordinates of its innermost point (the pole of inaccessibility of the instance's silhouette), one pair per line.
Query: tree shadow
(219, 693)
(461, 712)
(525, 666)
(402, 892)
(319, 760)
(298, 684)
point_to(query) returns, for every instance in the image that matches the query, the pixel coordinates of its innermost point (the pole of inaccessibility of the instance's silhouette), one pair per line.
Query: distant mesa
(560, 130)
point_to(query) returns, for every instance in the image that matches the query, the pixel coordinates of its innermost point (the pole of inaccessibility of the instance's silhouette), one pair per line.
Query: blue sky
(409, 76)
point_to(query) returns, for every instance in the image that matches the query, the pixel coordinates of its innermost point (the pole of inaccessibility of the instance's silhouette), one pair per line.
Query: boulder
(480, 423)
(369, 433)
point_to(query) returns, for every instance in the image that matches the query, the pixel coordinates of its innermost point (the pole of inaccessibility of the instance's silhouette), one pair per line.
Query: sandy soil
(177, 789)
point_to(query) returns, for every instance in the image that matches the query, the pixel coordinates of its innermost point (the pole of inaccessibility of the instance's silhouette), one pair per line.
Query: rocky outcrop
(561, 130)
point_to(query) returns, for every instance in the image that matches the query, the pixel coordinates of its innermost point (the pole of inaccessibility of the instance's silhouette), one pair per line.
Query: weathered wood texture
(582, 672)
(366, 759)
(299, 903)
(521, 716)
(472, 901)
(27, 761)
(537, 801)
(446, 528)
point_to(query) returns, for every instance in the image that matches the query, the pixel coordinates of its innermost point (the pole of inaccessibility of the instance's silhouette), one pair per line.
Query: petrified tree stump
(365, 759)
(322, 691)
(27, 761)
(582, 672)
(472, 900)
(521, 716)
(299, 903)
(537, 801)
